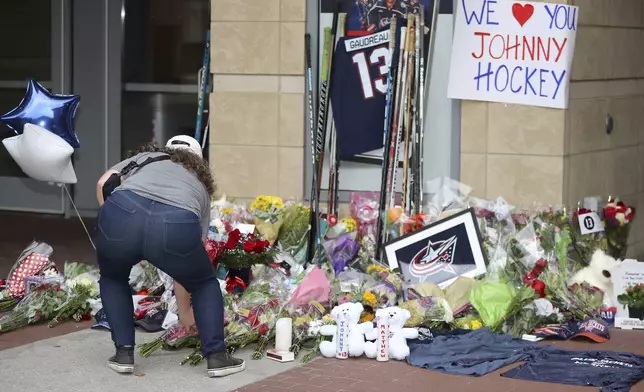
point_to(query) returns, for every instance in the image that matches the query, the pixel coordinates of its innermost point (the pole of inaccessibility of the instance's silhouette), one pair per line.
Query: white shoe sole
(227, 371)
(122, 369)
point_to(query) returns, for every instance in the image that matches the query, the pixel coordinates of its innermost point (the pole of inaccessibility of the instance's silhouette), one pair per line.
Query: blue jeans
(132, 228)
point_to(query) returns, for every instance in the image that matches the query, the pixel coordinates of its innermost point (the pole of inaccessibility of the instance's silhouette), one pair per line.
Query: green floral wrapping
(293, 234)
(617, 240)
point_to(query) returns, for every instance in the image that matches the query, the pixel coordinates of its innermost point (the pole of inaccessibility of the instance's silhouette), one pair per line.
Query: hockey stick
(334, 156)
(204, 72)
(323, 114)
(414, 179)
(401, 115)
(313, 219)
(316, 145)
(392, 164)
(409, 86)
(382, 217)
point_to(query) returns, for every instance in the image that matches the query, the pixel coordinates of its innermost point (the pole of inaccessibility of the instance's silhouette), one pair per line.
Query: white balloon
(42, 155)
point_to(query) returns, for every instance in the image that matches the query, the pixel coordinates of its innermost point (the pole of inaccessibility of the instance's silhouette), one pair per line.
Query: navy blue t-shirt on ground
(611, 371)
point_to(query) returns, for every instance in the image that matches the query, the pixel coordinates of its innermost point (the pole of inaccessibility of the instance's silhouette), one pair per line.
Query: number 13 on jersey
(365, 61)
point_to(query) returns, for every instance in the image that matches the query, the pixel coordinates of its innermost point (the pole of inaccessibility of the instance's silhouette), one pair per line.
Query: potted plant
(633, 297)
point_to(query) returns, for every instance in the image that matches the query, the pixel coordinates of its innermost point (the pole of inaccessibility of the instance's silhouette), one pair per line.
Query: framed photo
(440, 252)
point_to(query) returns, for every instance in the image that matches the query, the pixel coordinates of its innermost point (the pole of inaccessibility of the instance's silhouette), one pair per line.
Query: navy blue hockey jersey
(359, 79)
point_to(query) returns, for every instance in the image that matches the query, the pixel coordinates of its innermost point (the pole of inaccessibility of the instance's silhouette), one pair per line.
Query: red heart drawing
(522, 13)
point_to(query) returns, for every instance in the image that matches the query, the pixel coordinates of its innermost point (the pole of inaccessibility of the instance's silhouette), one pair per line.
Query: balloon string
(78, 215)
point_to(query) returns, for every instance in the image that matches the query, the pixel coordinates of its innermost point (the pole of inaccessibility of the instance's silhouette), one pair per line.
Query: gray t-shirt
(170, 183)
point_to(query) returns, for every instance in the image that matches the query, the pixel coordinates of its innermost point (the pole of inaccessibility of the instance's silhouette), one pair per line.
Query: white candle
(342, 338)
(383, 339)
(283, 334)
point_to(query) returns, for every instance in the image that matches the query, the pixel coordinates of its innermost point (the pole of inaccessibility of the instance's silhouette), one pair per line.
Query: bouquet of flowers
(340, 244)
(293, 234)
(175, 337)
(617, 218)
(267, 216)
(144, 276)
(427, 312)
(535, 314)
(633, 298)
(586, 244)
(313, 333)
(42, 303)
(245, 250)
(81, 290)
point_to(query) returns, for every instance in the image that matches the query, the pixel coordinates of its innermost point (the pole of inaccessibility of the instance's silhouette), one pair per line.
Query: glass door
(33, 46)
(163, 47)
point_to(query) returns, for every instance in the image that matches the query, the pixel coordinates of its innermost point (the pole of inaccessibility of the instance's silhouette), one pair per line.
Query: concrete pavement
(77, 363)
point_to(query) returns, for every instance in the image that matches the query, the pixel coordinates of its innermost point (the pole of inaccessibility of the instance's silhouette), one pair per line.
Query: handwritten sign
(513, 52)
(383, 340)
(342, 347)
(630, 272)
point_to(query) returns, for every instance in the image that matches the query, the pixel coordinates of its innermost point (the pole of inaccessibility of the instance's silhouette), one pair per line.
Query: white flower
(314, 327)
(219, 226)
(543, 307)
(621, 217)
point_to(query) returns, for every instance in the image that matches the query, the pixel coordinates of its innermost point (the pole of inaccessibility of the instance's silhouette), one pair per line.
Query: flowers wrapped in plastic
(293, 234)
(256, 312)
(245, 250)
(497, 228)
(586, 243)
(617, 218)
(430, 312)
(340, 247)
(267, 216)
(81, 290)
(42, 303)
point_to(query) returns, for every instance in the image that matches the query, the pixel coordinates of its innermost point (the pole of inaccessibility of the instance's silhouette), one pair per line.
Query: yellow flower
(376, 268)
(227, 211)
(369, 297)
(366, 317)
(264, 203)
(328, 319)
(476, 324)
(351, 224)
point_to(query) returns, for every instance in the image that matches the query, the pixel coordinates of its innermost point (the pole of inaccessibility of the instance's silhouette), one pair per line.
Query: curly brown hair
(187, 159)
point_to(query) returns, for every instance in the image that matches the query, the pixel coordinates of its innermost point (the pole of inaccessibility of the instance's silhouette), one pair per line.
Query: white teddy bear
(599, 274)
(357, 331)
(398, 334)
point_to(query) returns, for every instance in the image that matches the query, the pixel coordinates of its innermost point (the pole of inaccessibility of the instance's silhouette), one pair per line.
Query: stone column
(257, 104)
(529, 154)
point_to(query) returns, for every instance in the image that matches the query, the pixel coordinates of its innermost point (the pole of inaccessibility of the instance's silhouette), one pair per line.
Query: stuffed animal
(398, 334)
(599, 274)
(357, 331)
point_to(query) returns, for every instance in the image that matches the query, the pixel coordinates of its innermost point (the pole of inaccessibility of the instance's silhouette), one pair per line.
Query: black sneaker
(223, 364)
(123, 361)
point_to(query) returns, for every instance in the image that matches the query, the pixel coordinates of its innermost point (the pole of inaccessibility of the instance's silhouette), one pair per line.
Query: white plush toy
(398, 334)
(356, 331)
(599, 274)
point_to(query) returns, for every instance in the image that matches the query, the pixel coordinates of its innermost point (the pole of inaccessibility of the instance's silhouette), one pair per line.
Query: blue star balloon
(53, 112)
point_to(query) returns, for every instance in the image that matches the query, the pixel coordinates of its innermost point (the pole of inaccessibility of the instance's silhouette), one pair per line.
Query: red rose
(539, 287)
(333, 220)
(581, 211)
(249, 246)
(260, 245)
(233, 239)
(542, 264)
(263, 330)
(610, 210)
